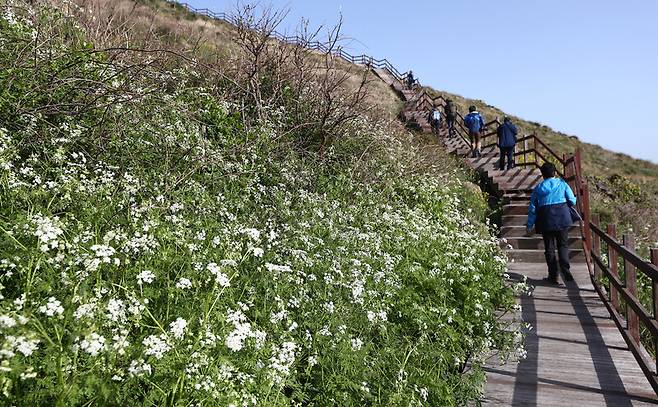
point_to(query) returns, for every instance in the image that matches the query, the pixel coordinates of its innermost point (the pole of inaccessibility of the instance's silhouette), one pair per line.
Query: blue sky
(588, 68)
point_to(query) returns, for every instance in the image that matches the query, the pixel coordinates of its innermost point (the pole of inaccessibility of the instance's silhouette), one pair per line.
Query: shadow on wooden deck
(575, 355)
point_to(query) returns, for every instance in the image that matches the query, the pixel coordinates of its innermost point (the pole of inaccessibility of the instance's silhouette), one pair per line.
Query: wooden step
(519, 175)
(516, 209)
(508, 231)
(516, 198)
(510, 189)
(521, 182)
(537, 256)
(515, 220)
(536, 242)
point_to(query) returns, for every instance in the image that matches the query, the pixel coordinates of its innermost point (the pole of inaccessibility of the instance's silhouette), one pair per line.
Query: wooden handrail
(627, 320)
(296, 40)
(647, 268)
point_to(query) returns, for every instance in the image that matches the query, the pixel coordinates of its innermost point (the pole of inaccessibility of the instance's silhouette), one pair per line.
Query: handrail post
(525, 151)
(564, 167)
(586, 216)
(613, 258)
(534, 148)
(596, 249)
(630, 276)
(654, 288)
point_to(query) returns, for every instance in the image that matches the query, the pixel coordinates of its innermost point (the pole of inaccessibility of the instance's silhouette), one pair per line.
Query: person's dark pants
(476, 144)
(450, 121)
(557, 240)
(436, 125)
(506, 152)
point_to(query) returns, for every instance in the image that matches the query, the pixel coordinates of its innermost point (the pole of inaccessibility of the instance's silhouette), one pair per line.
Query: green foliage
(156, 251)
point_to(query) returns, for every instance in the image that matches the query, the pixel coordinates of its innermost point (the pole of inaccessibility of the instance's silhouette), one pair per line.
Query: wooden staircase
(513, 188)
(566, 374)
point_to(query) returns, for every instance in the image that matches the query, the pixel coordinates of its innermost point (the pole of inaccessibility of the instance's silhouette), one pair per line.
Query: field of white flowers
(154, 252)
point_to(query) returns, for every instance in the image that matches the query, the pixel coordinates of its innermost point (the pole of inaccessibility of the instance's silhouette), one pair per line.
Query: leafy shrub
(157, 252)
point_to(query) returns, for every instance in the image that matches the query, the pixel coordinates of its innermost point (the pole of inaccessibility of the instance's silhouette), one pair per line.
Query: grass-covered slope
(624, 190)
(165, 242)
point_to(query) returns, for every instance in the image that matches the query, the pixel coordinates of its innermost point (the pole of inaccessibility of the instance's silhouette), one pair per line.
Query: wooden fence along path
(591, 339)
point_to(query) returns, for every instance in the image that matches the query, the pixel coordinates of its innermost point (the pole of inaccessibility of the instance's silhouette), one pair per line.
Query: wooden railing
(365, 60)
(621, 296)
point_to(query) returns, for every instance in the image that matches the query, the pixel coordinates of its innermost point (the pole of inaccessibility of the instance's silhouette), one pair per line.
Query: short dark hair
(472, 109)
(547, 170)
(507, 119)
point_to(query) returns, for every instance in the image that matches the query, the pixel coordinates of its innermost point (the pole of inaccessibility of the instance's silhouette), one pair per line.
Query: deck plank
(576, 355)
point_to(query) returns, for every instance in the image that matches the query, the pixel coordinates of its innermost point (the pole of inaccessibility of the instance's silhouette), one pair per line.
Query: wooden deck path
(576, 355)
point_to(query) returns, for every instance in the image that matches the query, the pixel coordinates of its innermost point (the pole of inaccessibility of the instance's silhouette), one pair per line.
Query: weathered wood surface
(576, 355)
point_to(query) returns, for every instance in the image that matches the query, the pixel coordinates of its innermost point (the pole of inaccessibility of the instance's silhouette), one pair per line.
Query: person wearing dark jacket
(475, 124)
(451, 115)
(549, 214)
(506, 141)
(410, 80)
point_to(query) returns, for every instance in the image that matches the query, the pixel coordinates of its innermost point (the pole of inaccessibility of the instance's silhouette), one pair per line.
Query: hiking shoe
(551, 280)
(568, 277)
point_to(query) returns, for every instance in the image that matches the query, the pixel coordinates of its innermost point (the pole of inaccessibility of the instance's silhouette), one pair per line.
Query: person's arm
(571, 198)
(532, 213)
(481, 122)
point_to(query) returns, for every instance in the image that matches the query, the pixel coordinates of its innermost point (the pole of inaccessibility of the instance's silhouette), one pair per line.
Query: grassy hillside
(624, 190)
(171, 238)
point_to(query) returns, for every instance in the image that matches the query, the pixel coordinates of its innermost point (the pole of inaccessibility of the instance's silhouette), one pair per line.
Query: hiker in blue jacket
(549, 214)
(506, 141)
(475, 124)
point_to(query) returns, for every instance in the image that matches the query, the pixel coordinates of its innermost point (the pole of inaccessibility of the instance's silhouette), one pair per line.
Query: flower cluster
(185, 257)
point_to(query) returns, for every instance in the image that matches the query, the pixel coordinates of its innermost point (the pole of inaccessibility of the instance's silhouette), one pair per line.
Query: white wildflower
(282, 360)
(52, 308)
(221, 278)
(93, 344)
(145, 276)
(85, 310)
(7, 322)
(23, 344)
(254, 234)
(156, 346)
(116, 310)
(139, 368)
(177, 328)
(47, 231)
(184, 283)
